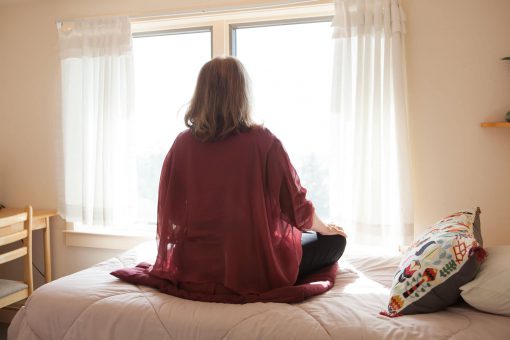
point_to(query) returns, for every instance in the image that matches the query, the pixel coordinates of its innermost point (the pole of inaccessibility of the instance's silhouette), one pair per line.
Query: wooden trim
(12, 298)
(13, 237)
(13, 255)
(495, 124)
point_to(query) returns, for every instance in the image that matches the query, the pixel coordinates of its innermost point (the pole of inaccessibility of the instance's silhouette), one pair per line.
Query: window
(288, 62)
(288, 53)
(166, 67)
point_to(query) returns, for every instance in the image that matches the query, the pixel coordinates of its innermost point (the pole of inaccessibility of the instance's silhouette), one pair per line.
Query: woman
(233, 220)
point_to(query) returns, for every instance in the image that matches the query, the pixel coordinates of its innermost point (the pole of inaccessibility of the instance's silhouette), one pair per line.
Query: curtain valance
(95, 37)
(360, 17)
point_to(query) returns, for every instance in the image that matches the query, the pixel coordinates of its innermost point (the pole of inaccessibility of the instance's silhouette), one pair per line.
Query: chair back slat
(6, 230)
(12, 219)
(7, 239)
(12, 255)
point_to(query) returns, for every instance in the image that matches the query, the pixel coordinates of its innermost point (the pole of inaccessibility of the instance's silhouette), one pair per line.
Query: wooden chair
(13, 229)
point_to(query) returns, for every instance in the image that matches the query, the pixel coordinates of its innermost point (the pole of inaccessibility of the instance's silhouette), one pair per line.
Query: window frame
(185, 30)
(149, 223)
(255, 24)
(222, 23)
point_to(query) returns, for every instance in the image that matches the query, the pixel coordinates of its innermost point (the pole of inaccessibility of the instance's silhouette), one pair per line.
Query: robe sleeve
(285, 189)
(163, 192)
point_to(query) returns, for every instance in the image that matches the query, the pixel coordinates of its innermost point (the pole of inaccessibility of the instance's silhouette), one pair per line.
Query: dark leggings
(319, 251)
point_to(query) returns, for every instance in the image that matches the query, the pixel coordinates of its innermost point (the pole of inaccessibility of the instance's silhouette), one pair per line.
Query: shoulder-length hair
(221, 102)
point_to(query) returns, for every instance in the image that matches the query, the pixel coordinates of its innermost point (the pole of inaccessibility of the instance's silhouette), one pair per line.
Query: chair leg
(29, 276)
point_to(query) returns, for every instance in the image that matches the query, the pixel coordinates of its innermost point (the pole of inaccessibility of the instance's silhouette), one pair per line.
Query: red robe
(230, 216)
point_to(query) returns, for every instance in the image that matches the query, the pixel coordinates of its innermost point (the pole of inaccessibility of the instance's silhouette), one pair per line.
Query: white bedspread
(92, 304)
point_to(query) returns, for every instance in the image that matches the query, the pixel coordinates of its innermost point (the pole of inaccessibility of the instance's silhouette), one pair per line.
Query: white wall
(456, 80)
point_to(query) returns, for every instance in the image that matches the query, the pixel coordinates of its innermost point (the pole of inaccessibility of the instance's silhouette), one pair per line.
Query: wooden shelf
(496, 124)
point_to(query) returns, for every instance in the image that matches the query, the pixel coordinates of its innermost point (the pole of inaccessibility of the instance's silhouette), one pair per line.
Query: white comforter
(92, 304)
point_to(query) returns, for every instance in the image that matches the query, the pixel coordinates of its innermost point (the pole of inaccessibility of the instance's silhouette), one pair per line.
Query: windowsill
(109, 239)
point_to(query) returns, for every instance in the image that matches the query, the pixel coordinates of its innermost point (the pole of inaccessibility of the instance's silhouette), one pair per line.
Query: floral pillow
(445, 257)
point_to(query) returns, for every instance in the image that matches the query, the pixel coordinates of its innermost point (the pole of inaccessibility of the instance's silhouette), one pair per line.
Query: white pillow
(490, 290)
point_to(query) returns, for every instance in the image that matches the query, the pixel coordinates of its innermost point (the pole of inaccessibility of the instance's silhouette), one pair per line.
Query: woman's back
(221, 225)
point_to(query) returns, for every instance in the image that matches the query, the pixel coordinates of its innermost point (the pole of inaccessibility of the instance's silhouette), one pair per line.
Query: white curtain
(371, 170)
(97, 106)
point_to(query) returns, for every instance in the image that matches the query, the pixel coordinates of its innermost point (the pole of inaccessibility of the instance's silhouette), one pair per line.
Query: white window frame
(222, 25)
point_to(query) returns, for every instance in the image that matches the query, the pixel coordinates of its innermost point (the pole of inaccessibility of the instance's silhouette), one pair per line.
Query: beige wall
(456, 80)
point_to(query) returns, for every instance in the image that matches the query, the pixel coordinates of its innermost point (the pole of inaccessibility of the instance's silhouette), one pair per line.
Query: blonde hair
(220, 104)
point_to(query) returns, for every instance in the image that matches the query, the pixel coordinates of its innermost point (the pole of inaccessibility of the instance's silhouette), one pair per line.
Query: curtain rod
(171, 14)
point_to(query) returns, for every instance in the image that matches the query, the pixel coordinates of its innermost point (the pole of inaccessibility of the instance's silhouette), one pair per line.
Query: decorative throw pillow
(445, 257)
(490, 290)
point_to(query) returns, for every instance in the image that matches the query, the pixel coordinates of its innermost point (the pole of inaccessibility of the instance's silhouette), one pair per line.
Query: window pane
(166, 68)
(290, 68)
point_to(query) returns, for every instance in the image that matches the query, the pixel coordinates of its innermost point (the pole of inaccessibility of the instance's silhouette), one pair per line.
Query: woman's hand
(333, 229)
(326, 229)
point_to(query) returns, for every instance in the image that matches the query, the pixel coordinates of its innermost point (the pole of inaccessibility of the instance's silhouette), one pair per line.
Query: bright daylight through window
(290, 70)
(166, 68)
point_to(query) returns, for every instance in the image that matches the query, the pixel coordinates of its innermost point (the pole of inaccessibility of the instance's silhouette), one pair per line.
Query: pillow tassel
(390, 315)
(480, 253)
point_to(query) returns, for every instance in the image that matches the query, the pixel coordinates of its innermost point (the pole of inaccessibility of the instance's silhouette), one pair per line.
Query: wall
(456, 80)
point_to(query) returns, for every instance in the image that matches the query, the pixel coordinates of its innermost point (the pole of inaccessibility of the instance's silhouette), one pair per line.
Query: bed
(92, 304)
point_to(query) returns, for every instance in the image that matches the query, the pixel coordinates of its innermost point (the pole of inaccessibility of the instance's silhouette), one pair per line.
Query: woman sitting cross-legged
(234, 224)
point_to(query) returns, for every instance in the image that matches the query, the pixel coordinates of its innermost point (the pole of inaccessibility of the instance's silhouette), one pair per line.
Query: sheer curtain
(97, 106)
(371, 165)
